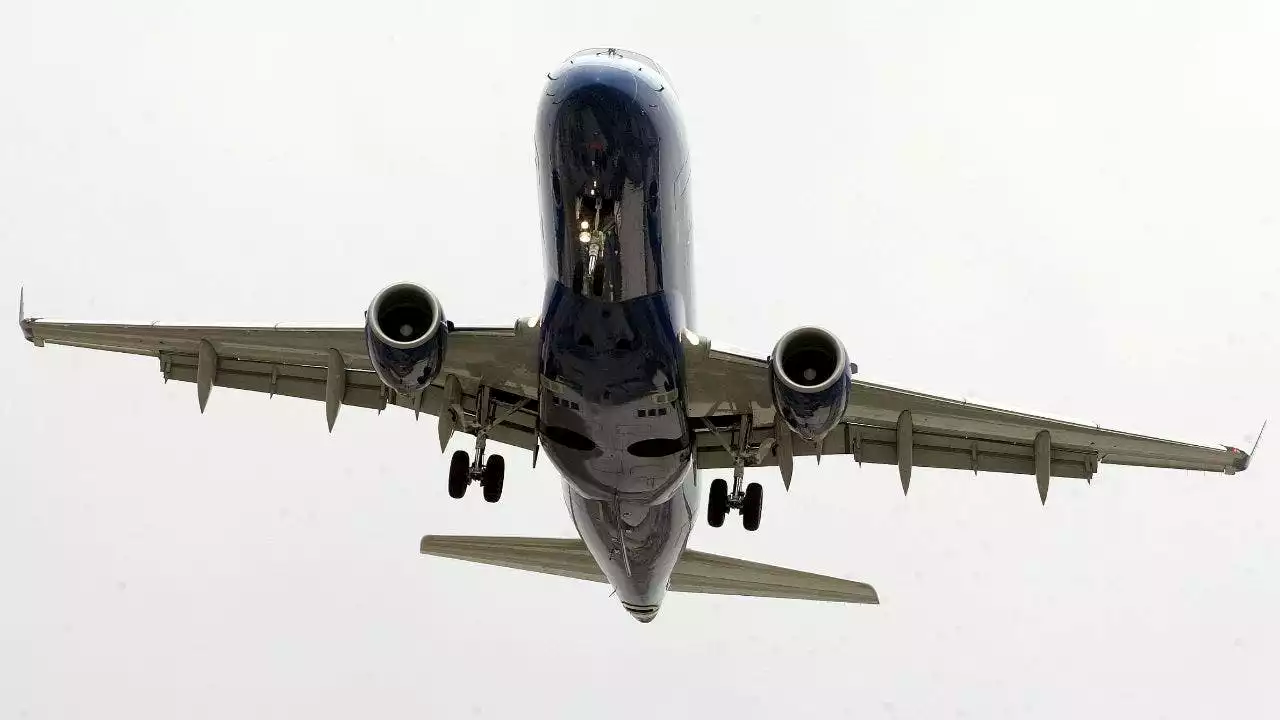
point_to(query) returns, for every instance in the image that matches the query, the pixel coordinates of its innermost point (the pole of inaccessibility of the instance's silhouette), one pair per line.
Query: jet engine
(811, 377)
(407, 334)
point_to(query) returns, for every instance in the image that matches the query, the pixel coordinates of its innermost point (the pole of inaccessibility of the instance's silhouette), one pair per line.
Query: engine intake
(811, 377)
(407, 334)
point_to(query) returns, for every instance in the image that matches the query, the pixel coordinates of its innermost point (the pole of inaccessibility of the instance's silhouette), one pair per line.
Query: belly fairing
(612, 408)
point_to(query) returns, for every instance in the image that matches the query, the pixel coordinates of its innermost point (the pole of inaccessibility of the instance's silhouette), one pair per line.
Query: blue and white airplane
(627, 400)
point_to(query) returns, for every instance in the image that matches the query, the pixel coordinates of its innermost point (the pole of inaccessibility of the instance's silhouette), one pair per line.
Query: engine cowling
(811, 377)
(407, 335)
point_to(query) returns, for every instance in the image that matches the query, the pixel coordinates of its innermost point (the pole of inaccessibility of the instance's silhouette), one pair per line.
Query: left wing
(888, 425)
(328, 364)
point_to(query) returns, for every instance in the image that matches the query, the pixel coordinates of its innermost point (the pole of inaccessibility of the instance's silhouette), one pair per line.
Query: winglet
(1241, 461)
(23, 321)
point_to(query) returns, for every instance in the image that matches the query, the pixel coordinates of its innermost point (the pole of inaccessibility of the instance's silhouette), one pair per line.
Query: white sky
(1067, 208)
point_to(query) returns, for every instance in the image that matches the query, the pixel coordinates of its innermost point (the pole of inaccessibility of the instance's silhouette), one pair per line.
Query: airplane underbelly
(637, 545)
(613, 175)
(612, 413)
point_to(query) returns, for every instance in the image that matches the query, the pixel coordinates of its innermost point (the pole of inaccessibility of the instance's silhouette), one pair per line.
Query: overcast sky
(1068, 208)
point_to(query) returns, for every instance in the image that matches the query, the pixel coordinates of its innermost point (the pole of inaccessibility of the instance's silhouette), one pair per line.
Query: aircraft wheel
(494, 470)
(717, 503)
(752, 505)
(459, 467)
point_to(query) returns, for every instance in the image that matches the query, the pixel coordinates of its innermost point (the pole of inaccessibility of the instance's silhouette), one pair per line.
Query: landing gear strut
(463, 470)
(749, 502)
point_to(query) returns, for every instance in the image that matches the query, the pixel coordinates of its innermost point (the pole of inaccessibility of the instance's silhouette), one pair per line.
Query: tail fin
(697, 572)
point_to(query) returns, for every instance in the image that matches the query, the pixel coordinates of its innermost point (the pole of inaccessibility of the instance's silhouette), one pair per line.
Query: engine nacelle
(407, 334)
(811, 377)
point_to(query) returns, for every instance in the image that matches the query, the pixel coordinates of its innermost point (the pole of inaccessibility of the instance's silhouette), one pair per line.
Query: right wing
(330, 365)
(894, 426)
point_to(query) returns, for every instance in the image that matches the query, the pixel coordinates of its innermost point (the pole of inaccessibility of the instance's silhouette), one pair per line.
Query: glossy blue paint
(407, 370)
(612, 404)
(813, 415)
(613, 173)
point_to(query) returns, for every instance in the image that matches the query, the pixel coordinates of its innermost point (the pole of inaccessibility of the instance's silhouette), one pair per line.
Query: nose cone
(643, 613)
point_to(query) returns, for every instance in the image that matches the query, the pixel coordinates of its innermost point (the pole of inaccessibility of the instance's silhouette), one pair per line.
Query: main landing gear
(749, 502)
(463, 470)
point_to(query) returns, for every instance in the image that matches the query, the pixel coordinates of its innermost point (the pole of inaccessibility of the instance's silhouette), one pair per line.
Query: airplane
(613, 383)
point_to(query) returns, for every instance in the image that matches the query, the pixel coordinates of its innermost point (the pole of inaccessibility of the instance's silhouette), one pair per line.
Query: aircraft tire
(717, 503)
(752, 506)
(491, 486)
(459, 466)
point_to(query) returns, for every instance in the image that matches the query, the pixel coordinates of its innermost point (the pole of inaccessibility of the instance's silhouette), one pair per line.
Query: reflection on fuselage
(613, 175)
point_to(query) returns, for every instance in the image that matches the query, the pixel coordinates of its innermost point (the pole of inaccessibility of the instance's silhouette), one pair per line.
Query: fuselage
(613, 176)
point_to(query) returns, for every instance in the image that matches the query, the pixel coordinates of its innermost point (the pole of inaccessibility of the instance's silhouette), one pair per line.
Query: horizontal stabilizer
(697, 572)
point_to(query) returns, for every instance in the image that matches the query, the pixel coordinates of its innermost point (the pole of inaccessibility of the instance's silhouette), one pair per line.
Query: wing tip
(431, 544)
(1239, 458)
(24, 322)
(1240, 461)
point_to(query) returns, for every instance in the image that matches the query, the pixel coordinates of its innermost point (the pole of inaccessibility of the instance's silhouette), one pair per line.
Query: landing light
(584, 237)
